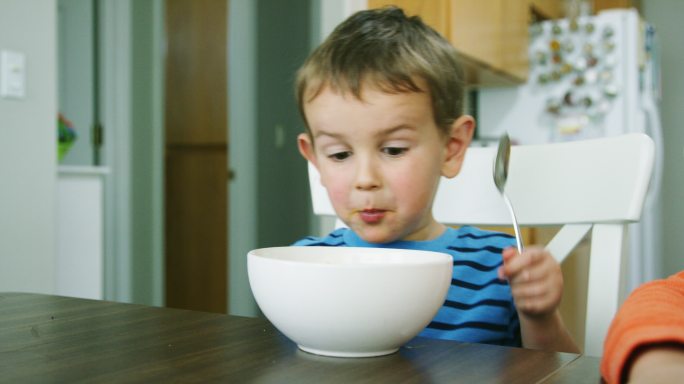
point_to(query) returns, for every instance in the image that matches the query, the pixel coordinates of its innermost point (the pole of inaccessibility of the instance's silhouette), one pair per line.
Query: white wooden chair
(596, 185)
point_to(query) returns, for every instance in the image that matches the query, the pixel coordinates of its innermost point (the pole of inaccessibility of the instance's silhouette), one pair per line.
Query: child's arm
(537, 286)
(656, 364)
(647, 331)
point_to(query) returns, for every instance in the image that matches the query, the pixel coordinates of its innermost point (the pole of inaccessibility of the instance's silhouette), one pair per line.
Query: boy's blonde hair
(386, 49)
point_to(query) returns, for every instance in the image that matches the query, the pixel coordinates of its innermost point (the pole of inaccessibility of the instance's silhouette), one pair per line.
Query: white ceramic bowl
(349, 302)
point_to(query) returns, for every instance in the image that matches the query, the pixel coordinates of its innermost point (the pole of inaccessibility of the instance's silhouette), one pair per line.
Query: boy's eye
(394, 151)
(339, 156)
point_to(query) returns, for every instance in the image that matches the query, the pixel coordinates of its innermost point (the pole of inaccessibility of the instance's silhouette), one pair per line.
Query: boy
(382, 103)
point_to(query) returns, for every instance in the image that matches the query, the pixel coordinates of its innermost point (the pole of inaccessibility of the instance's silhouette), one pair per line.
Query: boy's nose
(367, 176)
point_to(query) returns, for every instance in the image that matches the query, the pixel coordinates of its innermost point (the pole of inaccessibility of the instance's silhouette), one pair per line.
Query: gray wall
(146, 147)
(269, 197)
(666, 16)
(242, 152)
(283, 42)
(28, 150)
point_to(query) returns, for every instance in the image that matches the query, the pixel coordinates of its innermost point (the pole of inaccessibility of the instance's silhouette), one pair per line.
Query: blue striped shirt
(479, 307)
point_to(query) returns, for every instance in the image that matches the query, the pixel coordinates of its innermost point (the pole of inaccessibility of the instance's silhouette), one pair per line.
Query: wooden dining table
(46, 338)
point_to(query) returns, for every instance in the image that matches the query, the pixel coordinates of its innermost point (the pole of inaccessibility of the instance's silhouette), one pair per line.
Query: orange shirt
(653, 313)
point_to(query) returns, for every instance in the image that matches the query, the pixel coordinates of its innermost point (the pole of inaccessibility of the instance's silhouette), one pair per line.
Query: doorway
(269, 39)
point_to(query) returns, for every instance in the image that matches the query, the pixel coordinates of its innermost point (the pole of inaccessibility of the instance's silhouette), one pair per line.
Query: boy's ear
(460, 135)
(306, 148)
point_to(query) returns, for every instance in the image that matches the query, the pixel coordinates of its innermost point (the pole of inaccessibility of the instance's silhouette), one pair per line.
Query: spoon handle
(516, 228)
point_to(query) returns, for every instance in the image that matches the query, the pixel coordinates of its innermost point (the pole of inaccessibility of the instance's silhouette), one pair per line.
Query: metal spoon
(503, 155)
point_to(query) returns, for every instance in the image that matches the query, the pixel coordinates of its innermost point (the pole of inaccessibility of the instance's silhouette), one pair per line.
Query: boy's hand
(535, 278)
(536, 283)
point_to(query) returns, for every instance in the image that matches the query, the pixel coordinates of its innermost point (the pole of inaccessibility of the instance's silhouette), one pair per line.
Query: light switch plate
(12, 74)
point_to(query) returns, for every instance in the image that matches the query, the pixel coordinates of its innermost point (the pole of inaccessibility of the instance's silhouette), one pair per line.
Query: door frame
(116, 95)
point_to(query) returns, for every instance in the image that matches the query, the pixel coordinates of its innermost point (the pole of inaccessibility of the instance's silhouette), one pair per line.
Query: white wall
(28, 150)
(666, 16)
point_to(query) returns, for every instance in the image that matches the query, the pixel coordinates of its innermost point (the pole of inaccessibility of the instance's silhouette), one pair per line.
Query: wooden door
(196, 194)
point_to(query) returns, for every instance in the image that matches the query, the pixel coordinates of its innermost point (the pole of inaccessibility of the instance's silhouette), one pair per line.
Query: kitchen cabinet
(547, 9)
(491, 35)
(600, 5)
(556, 9)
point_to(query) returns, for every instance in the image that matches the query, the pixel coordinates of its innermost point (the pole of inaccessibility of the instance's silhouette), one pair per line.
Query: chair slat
(567, 239)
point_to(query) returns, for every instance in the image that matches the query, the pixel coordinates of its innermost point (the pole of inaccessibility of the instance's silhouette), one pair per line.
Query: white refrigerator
(590, 76)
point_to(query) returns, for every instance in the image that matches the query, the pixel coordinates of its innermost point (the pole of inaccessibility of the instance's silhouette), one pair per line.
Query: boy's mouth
(371, 216)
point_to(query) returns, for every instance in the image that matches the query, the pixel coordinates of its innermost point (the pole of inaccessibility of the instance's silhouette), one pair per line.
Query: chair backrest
(596, 185)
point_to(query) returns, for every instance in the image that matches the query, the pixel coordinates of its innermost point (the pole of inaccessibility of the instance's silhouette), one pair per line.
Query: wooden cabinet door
(490, 35)
(602, 5)
(433, 13)
(514, 41)
(476, 30)
(548, 9)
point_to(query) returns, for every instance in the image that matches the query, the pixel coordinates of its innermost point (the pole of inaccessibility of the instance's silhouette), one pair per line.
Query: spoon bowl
(503, 156)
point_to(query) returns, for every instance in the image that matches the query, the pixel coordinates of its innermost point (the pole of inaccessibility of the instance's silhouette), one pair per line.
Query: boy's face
(381, 158)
